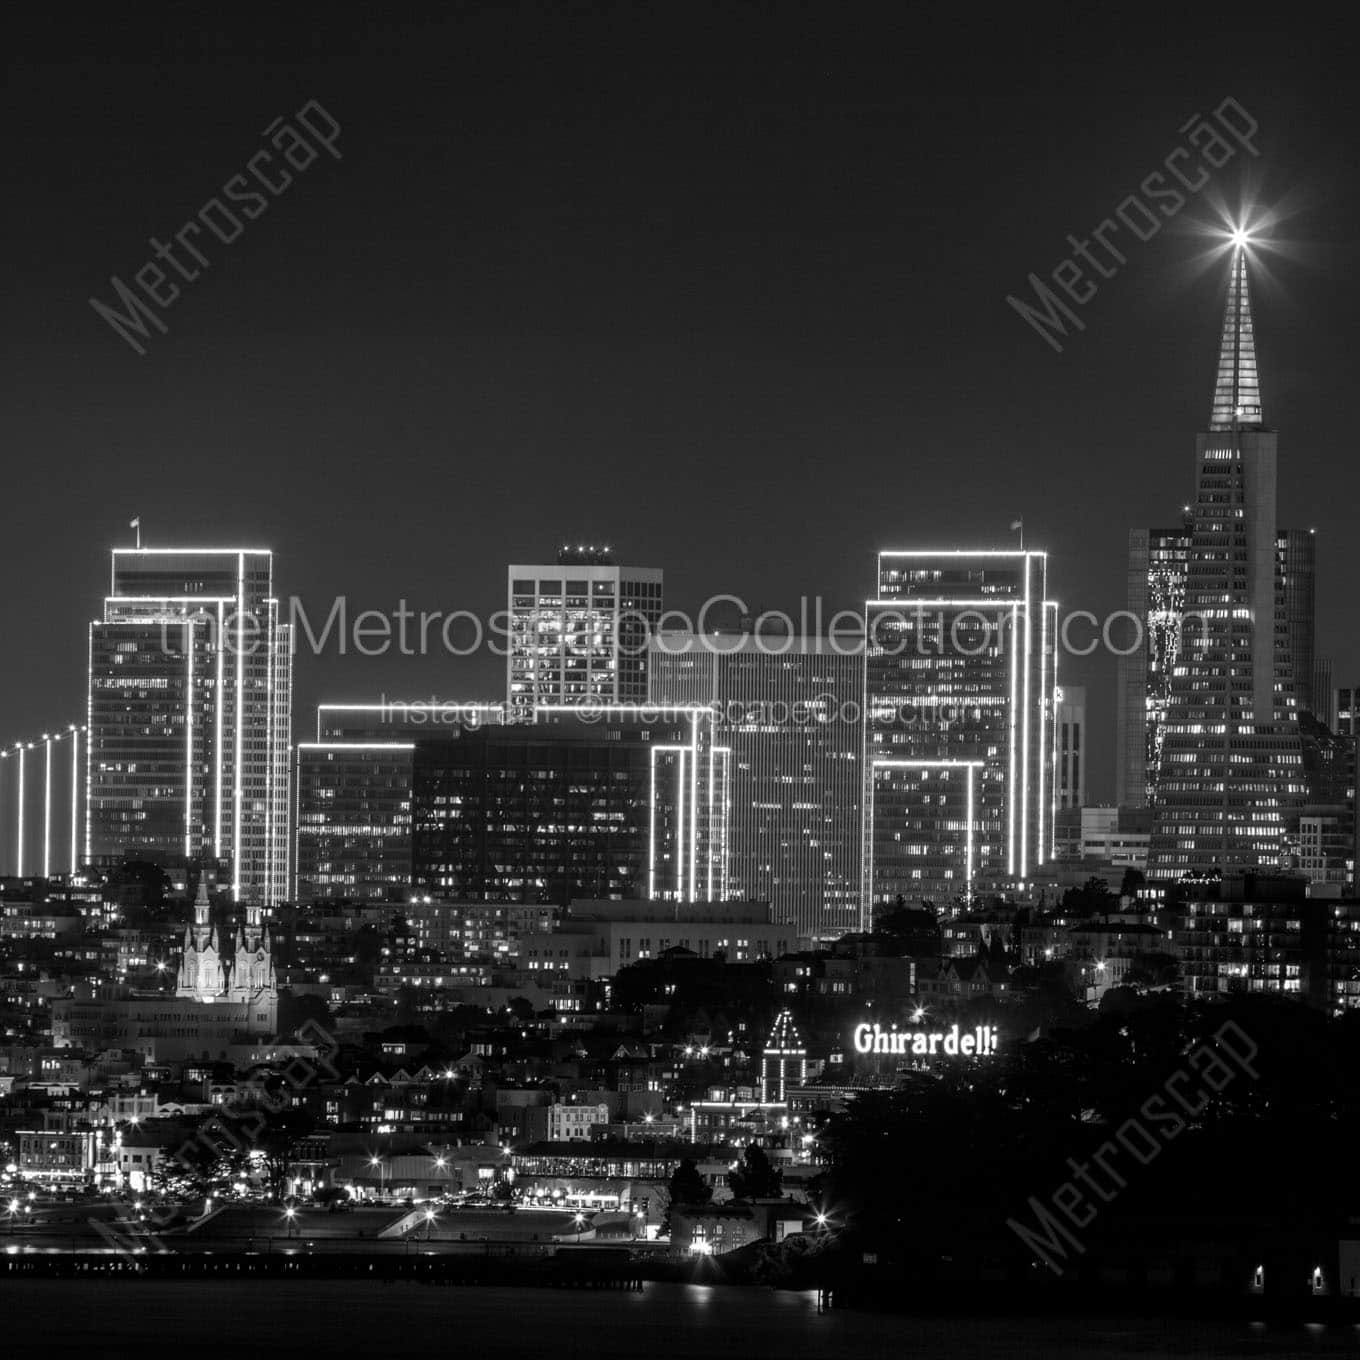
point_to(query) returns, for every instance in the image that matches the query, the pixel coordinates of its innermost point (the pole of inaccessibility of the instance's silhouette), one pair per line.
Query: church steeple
(202, 907)
(202, 975)
(1237, 388)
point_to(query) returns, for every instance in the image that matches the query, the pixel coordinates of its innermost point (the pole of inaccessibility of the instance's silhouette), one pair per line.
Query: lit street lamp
(580, 1223)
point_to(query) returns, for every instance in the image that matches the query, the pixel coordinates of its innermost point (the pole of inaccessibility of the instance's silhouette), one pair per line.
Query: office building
(1072, 745)
(1324, 695)
(789, 708)
(579, 631)
(1346, 711)
(1296, 582)
(190, 693)
(353, 814)
(960, 755)
(1230, 775)
(1158, 575)
(1103, 838)
(619, 802)
(1156, 597)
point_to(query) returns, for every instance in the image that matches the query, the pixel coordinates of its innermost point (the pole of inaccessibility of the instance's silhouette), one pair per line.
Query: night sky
(726, 288)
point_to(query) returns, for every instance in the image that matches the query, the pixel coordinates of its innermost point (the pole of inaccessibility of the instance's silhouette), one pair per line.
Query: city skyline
(522, 306)
(692, 667)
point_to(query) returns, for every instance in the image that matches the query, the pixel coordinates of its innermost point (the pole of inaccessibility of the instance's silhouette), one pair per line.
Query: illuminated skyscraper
(190, 700)
(579, 631)
(353, 783)
(1230, 775)
(959, 754)
(621, 802)
(789, 709)
(1158, 568)
(1156, 598)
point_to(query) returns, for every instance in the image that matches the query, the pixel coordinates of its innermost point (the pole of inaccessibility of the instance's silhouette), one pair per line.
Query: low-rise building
(567, 1123)
(715, 1229)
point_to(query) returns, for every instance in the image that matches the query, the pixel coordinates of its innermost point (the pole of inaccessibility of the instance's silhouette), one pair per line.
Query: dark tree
(755, 1178)
(282, 1131)
(686, 1187)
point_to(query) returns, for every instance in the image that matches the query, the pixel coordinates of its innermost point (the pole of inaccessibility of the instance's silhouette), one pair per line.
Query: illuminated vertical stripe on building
(89, 737)
(651, 833)
(75, 798)
(1050, 849)
(694, 808)
(270, 751)
(217, 736)
(296, 838)
(189, 738)
(1043, 725)
(711, 791)
(1014, 718)
(680, 857)
(1024, 743)
(968, 871)
(47, 806)
(726, 754)
(19, 821)
(866, 780)
(240, 738)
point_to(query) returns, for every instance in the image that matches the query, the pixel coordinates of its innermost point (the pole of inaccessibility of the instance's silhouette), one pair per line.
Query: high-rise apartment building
(1231, 776)
(959, 752)
(789, 708)
(190, 695)
(579, 631)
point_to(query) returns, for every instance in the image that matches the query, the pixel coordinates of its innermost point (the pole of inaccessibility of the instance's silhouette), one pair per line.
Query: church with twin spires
(226, 996)
(236, 971)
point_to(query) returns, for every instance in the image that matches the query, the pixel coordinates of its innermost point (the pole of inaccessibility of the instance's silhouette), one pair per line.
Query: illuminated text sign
(980, 1043)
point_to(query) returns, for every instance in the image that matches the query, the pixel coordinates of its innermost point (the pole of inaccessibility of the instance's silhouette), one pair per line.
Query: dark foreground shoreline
(618, 1270)
(112, 1315)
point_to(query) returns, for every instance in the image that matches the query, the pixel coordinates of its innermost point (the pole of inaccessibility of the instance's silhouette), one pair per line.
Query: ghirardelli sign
(981, 1042)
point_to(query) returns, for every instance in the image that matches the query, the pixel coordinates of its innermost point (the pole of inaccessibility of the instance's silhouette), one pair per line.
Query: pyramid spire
(1237, 389)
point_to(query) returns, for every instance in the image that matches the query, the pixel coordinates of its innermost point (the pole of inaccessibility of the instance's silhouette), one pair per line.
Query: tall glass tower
(190, 702)
(1231, 764)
